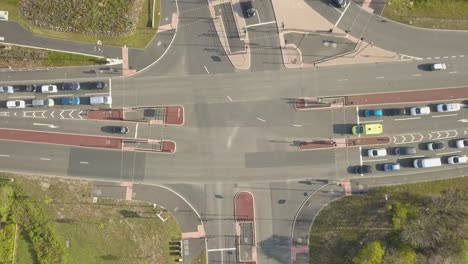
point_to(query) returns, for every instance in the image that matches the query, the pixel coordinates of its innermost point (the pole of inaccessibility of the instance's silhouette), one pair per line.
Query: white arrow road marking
(47, 125)
(52, 114)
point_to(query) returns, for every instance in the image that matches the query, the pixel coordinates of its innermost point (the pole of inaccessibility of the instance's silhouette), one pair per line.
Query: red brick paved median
(409, 97)
(174, 115)
(60, 138)
(365, 141)
(244, 206)
(114, 114)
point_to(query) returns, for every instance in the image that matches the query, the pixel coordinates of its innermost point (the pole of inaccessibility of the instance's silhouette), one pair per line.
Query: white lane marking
(454, 56)
(136, 130)
(59, 95)
(258, 15)
(47, 125)
(2, 38)
(342, 80)
(45, 159)
(415, 75)
(21, 97)
(374, 160)
(221, 249)
(380, 77)
(445, 115)
(297, 125)
(445, 57)
(360, 156)
(342, 14)
(4, 155)
(83, 162)
(91, 94)
(260, 24)
(436, 58)
(462, 120)
(452, 152)
(372, 121)
(452, 72)
(461, 56)
(206, 69)
(263, 120)
(228, 97)
(409, 118)
(428, 58)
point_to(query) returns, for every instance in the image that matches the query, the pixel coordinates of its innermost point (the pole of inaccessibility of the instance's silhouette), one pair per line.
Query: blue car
(71, 101)
(373, 112)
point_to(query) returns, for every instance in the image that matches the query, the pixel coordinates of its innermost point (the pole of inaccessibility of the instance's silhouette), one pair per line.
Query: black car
(93, 85)
(340, 3)
(405, 151)
(435, 145)
(71, 86)
(363, 169)
(247, 9)
(396, 111)
(120, 130)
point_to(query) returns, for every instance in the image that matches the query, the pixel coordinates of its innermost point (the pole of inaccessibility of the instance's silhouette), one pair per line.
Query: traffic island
(342, 143)
(88, 141)
(160, 115)
(245, 227)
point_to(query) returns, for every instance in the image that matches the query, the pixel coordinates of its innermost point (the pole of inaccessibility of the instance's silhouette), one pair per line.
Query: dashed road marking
(83, 162)
(372, 121)
(342, 80)
(409, 118)
(45, 159)
(380, 77)
(297, 125)
(451, 152)
(444, 115)
(4, 155)
(374, 160)
(206, 69)
(228, 97)
(453, 72)
(415, 75)
(263, 120)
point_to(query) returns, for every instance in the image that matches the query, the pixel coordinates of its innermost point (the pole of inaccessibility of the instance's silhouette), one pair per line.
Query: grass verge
(20, 57)
(106, 231)
(342, 228)
(437, 14)
(139, 39)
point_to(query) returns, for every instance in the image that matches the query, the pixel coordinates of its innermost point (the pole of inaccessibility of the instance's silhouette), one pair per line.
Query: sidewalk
(297, 16)
(139, 59)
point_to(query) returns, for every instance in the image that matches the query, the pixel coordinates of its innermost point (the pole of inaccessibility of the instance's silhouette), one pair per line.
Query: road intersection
(241, 129)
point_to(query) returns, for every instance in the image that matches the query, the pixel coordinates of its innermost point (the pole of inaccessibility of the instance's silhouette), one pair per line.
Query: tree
(372, 253)
(441, 227)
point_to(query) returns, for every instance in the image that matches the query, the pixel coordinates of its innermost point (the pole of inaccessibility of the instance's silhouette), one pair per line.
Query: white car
(457, 159)
(438, 66)
(6, 89)
(49, 88)
(448, 107)
(377, 152)
(425, 110)
(462, 143)
(15, 104)
(99, 100)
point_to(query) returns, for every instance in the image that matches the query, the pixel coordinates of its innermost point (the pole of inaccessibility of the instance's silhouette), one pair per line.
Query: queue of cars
(414, 111)
(53, 88)
(418, 162)
(48, 102)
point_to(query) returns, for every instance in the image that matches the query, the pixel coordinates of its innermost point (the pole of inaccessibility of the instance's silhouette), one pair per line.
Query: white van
(99, 100)
(427, 163)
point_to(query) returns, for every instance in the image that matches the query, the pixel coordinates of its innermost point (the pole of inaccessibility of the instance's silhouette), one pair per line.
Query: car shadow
(106, 129)
(425, 67)
(343, 129)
